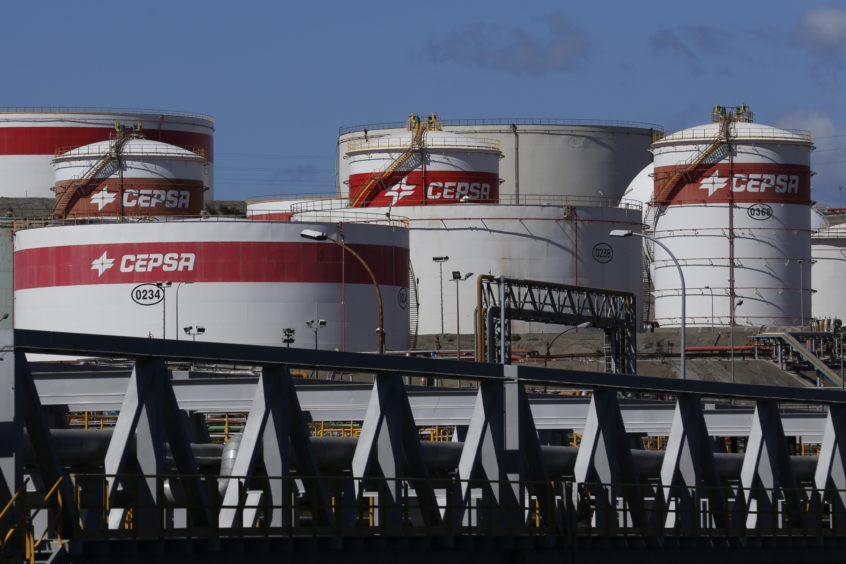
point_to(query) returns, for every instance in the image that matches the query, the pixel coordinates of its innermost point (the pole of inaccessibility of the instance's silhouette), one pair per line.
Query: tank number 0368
(760, 211)
(147, 294)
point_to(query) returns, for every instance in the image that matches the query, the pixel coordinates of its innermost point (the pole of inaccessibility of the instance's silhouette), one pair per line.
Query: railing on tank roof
(504, 199)
(348, 215)
(98, 110)
(93, 218)
(158, 148)
(505, 121)
(708, 134)
(401, 144)
(290, 197)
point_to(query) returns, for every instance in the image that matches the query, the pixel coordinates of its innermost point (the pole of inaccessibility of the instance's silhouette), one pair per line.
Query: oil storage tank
(828, 252)
(731, 201)
(130, 176)
(241, 281)
(451, 244)
(540, 157)
(31, 137)
(423, 166)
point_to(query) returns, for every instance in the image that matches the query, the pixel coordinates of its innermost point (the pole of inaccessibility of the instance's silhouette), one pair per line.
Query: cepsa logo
(755, 182)
(457, 190)
(166, 262)
(145, 198)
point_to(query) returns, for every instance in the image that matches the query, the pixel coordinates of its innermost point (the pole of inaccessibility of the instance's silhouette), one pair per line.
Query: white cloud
(822, 31)
(519, 51)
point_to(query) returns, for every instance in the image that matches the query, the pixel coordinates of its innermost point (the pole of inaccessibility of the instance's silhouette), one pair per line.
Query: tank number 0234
(147, 294)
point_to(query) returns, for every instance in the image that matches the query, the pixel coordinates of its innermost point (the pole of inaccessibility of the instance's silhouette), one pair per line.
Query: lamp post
(711, 291)
(734, 307)
(320, 236)
(457, 277)
(178, 286)
(315, 325)
(802, 289)
(194, 330)
(626, 233)
(163, 286)
(567, 330)
(441, 261)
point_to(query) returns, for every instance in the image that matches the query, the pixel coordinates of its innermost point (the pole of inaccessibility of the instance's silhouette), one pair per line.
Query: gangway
(801, 350)
(394, 172)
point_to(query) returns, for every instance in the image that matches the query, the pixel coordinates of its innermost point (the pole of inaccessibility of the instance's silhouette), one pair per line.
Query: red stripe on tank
(137, 263)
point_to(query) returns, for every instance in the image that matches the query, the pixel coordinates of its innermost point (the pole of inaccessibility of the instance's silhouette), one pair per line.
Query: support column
(688, 474)
(389, 438)
(766, 470)
(604, 465)
(276, 428)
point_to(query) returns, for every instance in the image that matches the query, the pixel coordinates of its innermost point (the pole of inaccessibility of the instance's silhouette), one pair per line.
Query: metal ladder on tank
(365, 194)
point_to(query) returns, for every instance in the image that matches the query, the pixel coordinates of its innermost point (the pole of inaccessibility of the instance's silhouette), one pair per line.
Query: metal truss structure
(147, 488)
(546, 302)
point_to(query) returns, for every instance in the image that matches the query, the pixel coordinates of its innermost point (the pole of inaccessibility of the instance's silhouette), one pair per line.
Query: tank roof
(740, 130)
(138, 147)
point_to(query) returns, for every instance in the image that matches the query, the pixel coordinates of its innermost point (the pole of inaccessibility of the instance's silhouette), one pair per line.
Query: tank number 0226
(147, 294)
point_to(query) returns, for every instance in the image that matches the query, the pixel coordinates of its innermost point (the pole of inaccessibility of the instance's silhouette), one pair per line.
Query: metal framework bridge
(612, 311)
(150, 487)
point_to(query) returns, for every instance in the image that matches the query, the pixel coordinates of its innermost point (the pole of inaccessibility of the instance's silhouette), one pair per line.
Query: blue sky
(280, 78)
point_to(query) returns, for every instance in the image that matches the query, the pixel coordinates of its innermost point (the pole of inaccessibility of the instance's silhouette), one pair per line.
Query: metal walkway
(148, 488)
(791, 340)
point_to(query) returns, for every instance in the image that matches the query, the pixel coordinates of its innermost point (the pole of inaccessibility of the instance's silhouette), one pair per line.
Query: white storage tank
(732, 202)
(242, 281)
(31, 137)
(565, 244)
(828, 251)
(540, 157)
(425, 167)
(146, 178)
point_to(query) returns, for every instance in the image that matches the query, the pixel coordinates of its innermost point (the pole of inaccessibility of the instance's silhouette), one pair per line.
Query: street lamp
(194, 330)
(626, 233)
(734, 307)
(163, 286)
(457, 277)
(802, 289)
(567, 330)
(441, 261)
(178, 286)
(711, 291)
(315, 325)
(320, 236)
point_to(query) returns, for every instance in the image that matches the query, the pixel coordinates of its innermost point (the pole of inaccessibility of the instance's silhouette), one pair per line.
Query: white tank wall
(828, 250)
(767, 265)
(251, 312)
(31, 174)
(546, 243)
(555, 158)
